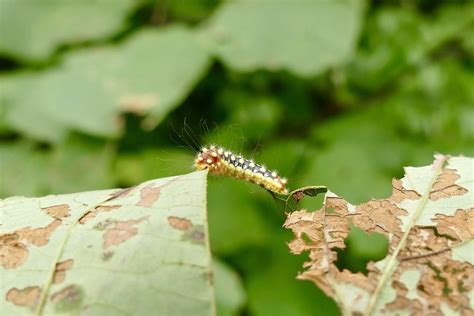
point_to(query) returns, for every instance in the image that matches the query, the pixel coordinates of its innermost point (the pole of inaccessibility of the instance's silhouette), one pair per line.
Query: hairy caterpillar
(222, 162)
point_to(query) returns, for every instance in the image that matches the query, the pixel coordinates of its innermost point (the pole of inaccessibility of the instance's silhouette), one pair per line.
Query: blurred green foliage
(341, 93)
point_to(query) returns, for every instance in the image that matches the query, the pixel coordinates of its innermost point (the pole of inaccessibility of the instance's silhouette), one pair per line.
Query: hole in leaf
(439, 276)
(312, 203)
(361, 247)
(306, 239)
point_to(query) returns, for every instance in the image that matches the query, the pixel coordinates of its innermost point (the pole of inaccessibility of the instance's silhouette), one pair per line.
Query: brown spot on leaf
(39, 236)
(121, 231)
(28, 296)
(179, 223)
(104, 224)
(445, 186)
(107, 255)
(60, 272)
(99, 209)
(149, 195)
(195, 234)
(399, 193)
(402, 302)
(57, 211)
(298, 196)
(14, 246)
(86, 217)
(460, 226)
(106, 208)
(68, 299)
(64, 293)
(12, 252)
(120, 193)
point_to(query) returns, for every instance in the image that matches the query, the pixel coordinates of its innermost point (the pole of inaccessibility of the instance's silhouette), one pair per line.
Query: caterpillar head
(207, 158)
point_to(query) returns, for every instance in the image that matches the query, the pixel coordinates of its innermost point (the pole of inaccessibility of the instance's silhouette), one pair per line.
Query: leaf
(149, 74)
(52, 23)
(303, 37)
(141, 251)
(23, 178)
(367, 145)
(359, 147)
(271, 265)
(257, 111)
(290, 201)
(151, 163)
(428, 221)
(443, 89)
(230, 294)
(234, 208)
(68, 167)
(397, 39)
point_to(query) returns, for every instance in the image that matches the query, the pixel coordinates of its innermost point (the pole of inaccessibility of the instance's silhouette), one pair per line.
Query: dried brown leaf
(429, 222)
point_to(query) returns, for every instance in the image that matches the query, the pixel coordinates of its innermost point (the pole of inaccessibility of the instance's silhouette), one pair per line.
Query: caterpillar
(223, 162)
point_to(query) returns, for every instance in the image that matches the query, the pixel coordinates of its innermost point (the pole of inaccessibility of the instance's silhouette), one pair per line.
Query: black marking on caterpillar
(223, 162)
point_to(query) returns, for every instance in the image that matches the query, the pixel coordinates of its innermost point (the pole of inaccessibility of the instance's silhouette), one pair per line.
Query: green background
(101, 94)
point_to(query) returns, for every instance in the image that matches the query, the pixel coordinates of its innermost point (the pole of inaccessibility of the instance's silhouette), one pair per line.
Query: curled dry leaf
(429, 222)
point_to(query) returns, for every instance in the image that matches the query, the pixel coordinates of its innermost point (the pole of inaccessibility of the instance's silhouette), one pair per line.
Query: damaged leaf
(142, 250)
(428, 221)
(148, 74)
(290, 201)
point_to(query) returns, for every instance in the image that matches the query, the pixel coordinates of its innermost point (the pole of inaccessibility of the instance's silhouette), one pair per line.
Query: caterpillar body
(223, 162)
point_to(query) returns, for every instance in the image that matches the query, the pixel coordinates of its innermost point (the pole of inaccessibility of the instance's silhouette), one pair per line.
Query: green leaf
(289, 297)
(303, 37)
(379, 142)
(72, 166)
(137, 251)
(289, 202)
(233, 208)
(151, 163)
(32, 30)
(18, 177)
(398, 39)
(247, 113)
(286, 155)
(149, 74)
(189, 11)
(436, 103)
(230, 294)
(365, 137)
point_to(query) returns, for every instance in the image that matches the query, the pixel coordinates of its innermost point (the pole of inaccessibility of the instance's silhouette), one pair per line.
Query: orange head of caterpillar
(208, 158)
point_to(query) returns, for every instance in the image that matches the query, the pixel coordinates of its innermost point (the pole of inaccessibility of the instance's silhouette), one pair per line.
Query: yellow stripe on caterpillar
(220, 161)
